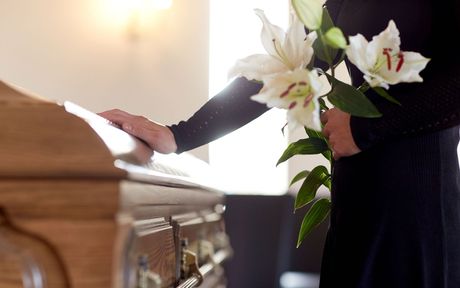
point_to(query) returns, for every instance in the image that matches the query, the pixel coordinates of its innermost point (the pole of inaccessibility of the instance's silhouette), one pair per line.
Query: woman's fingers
(324, 116)
(157, 136)
(116, 116)
(337, 131)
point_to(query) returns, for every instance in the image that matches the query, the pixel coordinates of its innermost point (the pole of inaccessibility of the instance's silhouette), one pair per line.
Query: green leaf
(349, 99)
(303, 146)
(307, 192)
(299, 176)
(326, 22)
(328, 183)
(342, 56)
(323, 104)
(382, 92)
(327, 154)
(323, 51)
(316, 134)
(335, 39)
(315, 215)
(313, 133)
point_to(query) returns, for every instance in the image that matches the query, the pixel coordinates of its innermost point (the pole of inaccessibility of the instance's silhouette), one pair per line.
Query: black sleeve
(224, 113)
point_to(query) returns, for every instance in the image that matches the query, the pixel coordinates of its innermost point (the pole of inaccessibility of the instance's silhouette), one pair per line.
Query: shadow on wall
(263, 233)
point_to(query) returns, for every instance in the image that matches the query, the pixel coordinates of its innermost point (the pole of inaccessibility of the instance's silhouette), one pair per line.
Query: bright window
(248, 156)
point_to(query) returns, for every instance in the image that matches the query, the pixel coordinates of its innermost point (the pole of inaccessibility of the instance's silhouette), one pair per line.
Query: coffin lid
(39, 138)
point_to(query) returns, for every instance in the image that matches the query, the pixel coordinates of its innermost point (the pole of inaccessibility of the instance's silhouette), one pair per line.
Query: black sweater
(428, 106)
(395, 214)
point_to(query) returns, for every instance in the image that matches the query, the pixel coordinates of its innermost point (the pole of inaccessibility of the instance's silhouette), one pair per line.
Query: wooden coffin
(84, 204)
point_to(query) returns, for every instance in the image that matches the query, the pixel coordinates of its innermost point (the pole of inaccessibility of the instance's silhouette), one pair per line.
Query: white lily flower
(382, 61)
(298, 92)
(286, 50)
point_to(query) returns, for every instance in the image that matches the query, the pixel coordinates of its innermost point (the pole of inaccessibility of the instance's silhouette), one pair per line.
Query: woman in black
(395, 219)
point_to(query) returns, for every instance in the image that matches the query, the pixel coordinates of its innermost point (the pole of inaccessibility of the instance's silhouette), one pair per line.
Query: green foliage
(316, 134)
(315, 215)
(383, 93)
(349, 99)
(307, 192)
(304, 146)
(335, 39)
(323, 51)
(301, 175)
(313, 133)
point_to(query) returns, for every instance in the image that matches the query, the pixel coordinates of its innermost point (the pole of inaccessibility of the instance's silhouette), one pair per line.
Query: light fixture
(133, 14)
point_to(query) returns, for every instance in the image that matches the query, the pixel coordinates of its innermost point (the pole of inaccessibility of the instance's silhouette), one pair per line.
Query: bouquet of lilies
(291, 82)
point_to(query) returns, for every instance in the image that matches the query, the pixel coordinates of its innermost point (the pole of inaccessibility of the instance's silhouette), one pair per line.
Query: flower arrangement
(291, 82)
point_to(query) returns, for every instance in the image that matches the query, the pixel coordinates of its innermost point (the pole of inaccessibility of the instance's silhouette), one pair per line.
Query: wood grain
(25, 257)
(76, 218)
(156, 241)
(40, 139)
(67, 209)
(60, 198)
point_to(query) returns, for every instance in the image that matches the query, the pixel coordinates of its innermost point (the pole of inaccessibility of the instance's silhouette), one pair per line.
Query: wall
(82, 51)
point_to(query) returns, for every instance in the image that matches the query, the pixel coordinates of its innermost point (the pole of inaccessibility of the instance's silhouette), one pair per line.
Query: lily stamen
(386, 52)
(288, 90)
(292, 105)
(284, 94)
(291, 86)
(401, 61)
(307, 100)
(281, 54)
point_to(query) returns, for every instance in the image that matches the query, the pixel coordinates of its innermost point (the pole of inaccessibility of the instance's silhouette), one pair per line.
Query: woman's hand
(337, 130)
(157, 136)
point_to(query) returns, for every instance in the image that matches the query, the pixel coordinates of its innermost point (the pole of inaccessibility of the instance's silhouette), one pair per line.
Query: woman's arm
(224, 113)
(229, 110)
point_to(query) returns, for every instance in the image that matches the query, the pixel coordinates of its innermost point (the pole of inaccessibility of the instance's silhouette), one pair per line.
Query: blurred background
(163, 59)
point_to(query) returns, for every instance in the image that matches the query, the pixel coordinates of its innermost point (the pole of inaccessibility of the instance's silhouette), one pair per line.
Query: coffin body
(84, 204)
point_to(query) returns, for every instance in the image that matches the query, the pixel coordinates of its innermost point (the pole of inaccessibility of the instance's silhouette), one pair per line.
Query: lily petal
(305, 116)
(381, 60)
(298, 45)
(296, 91)
(414, 63)
(409, 69)
(272, 36)
(357, 53)
(256, 67)
(287, 51)
(387, 39)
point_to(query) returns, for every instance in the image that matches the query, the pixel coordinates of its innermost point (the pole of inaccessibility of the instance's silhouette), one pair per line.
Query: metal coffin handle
(214, 261)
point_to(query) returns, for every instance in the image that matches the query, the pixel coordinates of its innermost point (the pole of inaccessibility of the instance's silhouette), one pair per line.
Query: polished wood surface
(40, 139)
(162, 255)
(26, 257)
(77, 219)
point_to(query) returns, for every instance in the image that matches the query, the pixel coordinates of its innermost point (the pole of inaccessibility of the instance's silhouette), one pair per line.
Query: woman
(395, 219)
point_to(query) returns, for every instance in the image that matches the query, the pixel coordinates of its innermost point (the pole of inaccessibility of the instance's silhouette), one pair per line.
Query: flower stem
(342, 57)
(325, 50)
(364, 87)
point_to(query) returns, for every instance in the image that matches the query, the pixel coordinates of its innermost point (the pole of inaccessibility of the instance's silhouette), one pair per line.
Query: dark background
(263, 233)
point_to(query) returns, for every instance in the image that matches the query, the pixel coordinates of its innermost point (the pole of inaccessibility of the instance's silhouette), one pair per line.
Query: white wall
(79, 51)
